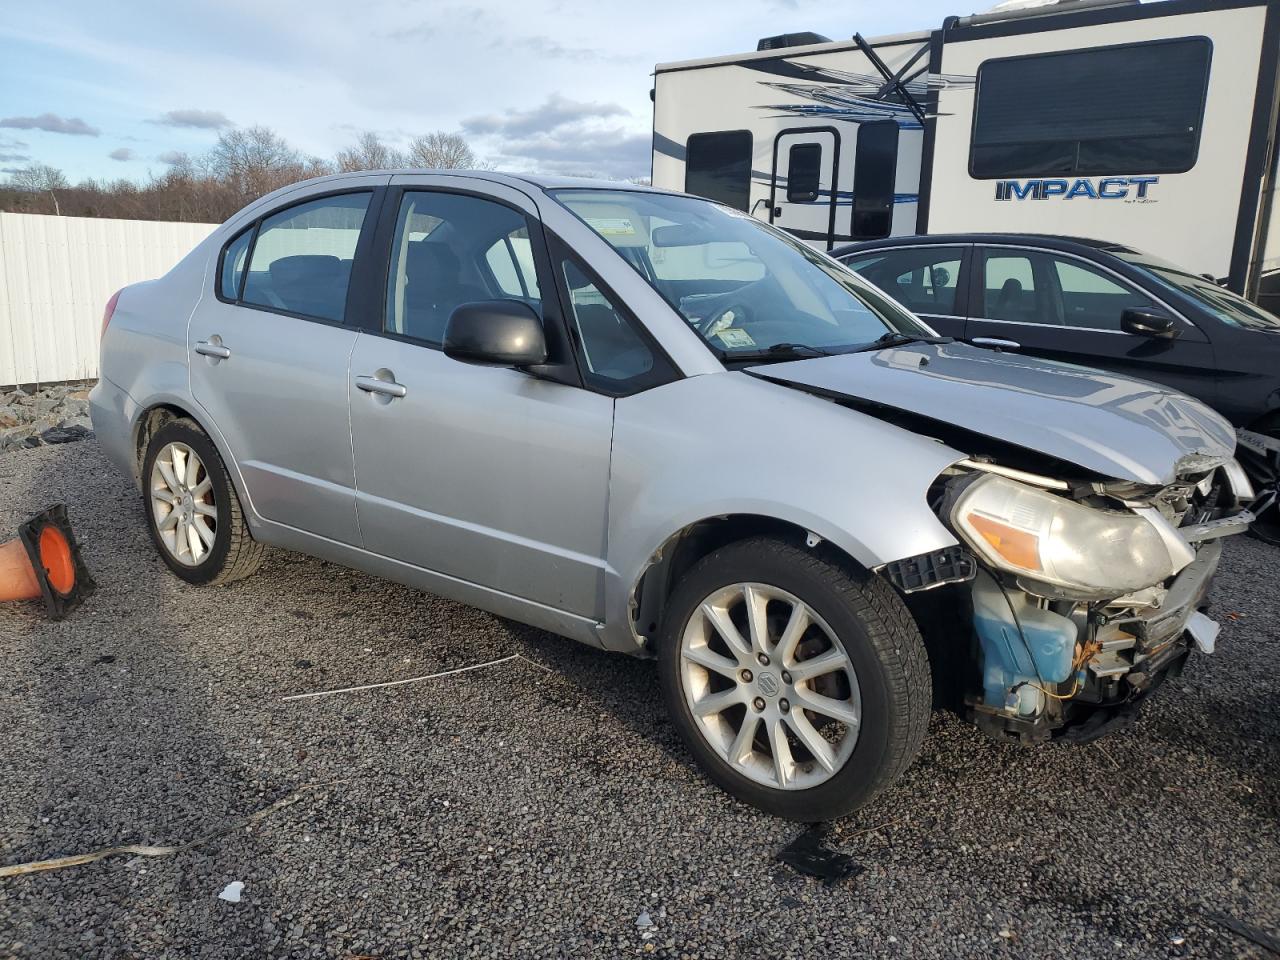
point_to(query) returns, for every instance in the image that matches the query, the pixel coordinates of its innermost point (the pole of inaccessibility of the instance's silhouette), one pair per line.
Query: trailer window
(1133, 108)
(718, 166)
(803, 165)
(875, 167)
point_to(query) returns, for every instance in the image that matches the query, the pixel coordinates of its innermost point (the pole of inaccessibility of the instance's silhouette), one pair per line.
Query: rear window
(718, 166)
(1132, 108)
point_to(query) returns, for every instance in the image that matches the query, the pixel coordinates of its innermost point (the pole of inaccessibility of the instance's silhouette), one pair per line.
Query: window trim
(980, 265)
(366, 230)
(1088, 172)
(751, 156)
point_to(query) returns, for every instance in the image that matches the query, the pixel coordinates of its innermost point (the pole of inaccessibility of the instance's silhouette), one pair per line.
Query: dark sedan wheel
(800, 685)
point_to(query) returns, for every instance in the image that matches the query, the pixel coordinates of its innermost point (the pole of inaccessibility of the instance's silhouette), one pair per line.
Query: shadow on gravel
(120, 746)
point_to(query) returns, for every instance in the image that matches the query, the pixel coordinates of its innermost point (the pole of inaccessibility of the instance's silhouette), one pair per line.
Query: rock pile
(50, 414)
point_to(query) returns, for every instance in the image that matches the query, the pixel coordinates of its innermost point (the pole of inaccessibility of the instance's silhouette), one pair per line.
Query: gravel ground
(517, 812)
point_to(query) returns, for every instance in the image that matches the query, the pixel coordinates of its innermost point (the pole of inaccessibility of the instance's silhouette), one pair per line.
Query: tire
(850, 612)
(223, 550)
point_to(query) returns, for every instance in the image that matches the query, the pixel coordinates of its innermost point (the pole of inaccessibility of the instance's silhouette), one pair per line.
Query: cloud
(608, 152)
(11, 143)
(13, 157)
(51, 123)
(122, 154)
(199, 119)
(172, 157)
(551, 49)
(555, 113)
(11, 170)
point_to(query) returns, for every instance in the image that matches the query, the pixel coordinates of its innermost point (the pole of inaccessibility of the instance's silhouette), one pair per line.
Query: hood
(1111, 425)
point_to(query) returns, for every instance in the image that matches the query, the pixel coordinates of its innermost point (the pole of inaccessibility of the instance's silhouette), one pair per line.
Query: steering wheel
(739, 313)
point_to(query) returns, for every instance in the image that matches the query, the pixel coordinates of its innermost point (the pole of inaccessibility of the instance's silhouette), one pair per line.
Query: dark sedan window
(922, 279)
(1027, 286)
(1228, 307)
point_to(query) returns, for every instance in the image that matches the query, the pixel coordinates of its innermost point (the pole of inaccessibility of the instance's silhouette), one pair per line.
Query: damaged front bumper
(1078, 670)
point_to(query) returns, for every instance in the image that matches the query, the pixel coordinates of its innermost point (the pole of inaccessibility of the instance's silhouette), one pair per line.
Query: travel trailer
(1150, 125)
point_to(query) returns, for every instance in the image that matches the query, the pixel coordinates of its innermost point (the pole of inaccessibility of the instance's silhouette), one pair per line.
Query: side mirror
(1148, 322)
(498, 333)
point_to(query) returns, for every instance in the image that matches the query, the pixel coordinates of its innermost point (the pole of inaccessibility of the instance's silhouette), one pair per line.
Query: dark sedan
(1101, 305)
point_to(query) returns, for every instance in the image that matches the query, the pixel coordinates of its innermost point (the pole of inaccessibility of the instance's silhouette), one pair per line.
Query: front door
(268, 361)
(488, 475)
(803, 196)
(1063, 307)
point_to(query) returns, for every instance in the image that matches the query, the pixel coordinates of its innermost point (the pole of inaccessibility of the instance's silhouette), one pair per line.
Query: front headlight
(1085, 551)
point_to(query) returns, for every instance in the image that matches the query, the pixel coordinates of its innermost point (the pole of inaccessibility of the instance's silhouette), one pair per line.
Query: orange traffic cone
(44, 562)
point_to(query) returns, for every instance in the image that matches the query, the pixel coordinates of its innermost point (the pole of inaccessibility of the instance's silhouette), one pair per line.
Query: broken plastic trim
(926, 571)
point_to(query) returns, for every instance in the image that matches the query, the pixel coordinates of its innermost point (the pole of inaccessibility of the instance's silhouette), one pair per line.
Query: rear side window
(301, 261)
(718, 166)
(233, 261)
(804, 165)
(1132, 108)
(923, 280)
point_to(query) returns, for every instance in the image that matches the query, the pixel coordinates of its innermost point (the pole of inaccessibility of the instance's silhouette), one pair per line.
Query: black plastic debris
(809, 854)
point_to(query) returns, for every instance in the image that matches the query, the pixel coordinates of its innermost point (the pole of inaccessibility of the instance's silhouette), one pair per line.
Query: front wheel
(800, 685)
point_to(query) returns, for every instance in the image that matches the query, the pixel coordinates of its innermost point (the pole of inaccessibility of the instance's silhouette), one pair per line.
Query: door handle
(996, 343)
(386, 388)
(215, 350)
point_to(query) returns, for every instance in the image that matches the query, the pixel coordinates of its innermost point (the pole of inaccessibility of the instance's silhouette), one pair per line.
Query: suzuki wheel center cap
(769, 684)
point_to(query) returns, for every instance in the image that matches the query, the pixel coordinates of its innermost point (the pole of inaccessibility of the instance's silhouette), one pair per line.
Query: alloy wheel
(770, 686)
(182, 504)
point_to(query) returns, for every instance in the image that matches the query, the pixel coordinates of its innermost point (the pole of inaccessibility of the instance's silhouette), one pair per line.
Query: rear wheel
(192, 510)
(800, 685)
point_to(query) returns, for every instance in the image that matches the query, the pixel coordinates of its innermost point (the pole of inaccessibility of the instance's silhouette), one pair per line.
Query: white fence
(56, 275)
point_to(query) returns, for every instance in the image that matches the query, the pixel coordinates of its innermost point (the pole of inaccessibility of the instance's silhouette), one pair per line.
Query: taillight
(106, 314)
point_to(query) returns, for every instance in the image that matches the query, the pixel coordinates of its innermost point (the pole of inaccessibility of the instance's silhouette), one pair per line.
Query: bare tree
(439, 150)
(253, 161)
(41, 178)
(368, 153)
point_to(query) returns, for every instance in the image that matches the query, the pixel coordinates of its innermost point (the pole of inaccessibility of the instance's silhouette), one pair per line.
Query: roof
(1050, 240)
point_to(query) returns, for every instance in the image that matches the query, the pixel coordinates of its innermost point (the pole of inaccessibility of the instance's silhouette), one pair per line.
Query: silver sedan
(652, 424)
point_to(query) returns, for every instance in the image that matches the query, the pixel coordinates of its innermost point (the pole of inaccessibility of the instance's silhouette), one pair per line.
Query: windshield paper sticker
(734, 337)
(612, 226)
(1105, 188)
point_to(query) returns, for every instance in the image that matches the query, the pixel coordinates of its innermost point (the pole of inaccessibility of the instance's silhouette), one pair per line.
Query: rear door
(803, 197)
(268, 358)
(1063, 307)
(929, 281)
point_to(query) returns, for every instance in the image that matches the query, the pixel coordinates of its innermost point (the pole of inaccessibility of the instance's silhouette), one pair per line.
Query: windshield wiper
(896, 338)
(776, 351)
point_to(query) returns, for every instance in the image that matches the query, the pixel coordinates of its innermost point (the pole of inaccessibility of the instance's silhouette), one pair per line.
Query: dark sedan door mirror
(1148, 322)
(498, 333)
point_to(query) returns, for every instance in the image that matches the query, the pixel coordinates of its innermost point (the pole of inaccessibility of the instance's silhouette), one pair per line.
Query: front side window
(923, 280)
(804, 167)
(302, 257)
(448, 250)
(718, 166)
(743, 286)
(1090, 298)
(1131, 108)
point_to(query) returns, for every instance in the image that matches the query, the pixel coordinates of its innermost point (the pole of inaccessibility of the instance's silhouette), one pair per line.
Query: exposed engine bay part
(1068, 646)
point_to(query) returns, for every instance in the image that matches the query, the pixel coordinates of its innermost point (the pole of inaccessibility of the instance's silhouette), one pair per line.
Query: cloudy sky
(106, 90)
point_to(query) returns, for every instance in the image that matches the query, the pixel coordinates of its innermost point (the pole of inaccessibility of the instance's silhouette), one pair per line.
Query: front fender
(728, 443)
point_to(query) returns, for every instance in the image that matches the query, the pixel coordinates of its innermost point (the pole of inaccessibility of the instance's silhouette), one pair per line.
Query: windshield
(746, 288)
(1230, 308)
